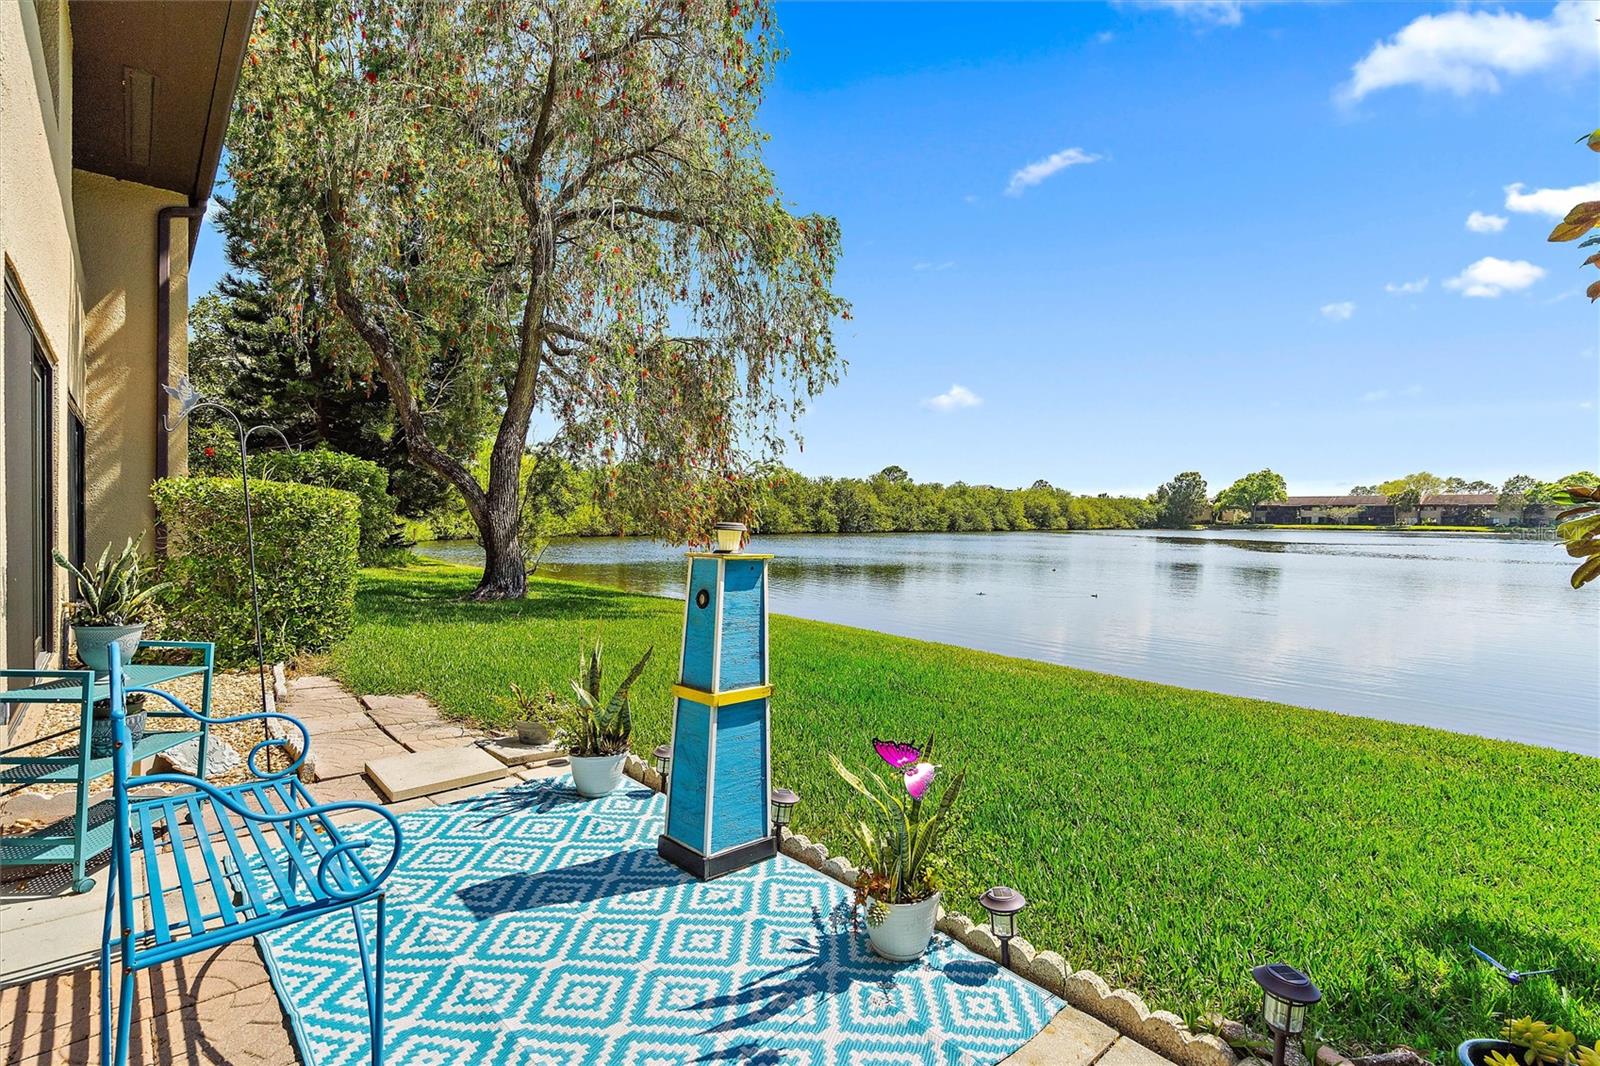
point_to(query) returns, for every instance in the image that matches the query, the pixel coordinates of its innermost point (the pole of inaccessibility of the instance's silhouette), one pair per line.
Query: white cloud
(1339, 312)
(1469, 50)
(1104, 37)
(1478, 222)
(1406, 288)
(1040, 169)
(1210, 12)
(957, 397)
(1379, 395)
(1490, 276)
(1553, 202)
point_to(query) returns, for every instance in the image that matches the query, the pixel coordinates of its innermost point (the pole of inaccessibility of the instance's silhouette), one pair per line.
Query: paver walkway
(219, 1007)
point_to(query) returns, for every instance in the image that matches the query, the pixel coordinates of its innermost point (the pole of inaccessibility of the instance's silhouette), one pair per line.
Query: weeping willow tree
(554, 209)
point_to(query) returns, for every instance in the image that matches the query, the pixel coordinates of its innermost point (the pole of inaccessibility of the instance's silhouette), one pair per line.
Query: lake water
(1474, 634)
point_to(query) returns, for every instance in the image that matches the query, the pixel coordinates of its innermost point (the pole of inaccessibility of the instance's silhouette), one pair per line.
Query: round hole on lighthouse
(702, 598)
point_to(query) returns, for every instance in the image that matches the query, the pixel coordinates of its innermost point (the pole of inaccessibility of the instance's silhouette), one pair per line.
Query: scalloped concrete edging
(1161, 1031)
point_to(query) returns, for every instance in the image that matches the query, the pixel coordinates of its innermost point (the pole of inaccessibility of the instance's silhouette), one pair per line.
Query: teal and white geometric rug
(533, 928)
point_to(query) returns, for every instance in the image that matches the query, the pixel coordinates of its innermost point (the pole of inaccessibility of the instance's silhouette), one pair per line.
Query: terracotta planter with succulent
(896, 888)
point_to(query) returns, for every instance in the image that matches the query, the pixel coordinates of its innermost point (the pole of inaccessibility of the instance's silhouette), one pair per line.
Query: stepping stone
(1072, 1038)
(185, 758)
(1127, 1052)
(514, 752)
(394, 710)
(422, 773)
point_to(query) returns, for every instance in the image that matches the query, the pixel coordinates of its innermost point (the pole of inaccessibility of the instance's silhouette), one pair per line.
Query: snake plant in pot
(595, 731)
(897, 841)
(113, 606)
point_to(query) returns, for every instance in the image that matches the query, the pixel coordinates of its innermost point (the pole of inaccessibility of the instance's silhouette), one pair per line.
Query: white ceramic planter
(92, 642)
(595, 775)
(904, 934)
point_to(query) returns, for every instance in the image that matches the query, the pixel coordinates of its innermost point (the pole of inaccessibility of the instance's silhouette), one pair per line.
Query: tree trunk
(505, 575)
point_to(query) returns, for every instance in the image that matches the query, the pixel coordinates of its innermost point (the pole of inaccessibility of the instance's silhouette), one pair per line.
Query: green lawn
(1167, 838)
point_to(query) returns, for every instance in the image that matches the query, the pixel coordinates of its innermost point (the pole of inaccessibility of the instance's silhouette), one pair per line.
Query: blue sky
(1103, 244)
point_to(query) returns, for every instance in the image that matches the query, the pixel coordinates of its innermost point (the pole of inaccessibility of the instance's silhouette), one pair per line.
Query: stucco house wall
(37, 229)
(117, 243)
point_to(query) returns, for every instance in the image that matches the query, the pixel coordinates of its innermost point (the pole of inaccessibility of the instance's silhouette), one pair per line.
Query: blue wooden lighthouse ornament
(718, 819)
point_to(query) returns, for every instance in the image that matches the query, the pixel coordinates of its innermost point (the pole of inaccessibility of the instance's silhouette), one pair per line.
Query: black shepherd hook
(190, 400)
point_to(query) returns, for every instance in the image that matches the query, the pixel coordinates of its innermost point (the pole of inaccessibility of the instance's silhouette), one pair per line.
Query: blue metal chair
(248, 859)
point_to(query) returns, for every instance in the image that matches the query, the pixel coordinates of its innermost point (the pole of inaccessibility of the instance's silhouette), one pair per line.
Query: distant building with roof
(1436, 509)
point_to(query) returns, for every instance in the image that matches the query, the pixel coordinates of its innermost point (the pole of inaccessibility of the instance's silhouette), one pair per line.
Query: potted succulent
(536, 715)
(113, 604)
(596, 733)
(895, 887)
(102, 741)
(1525, 1042)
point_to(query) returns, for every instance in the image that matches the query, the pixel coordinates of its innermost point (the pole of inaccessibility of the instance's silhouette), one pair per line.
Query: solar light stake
(1287, 996)
(662, 759)
(1003, 905)
(783, 804)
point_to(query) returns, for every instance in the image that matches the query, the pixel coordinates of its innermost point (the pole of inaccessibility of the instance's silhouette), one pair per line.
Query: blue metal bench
(220, 864)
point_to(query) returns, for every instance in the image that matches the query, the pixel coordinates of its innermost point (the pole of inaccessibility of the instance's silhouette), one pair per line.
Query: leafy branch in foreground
(1579, 526)
(1580, 220)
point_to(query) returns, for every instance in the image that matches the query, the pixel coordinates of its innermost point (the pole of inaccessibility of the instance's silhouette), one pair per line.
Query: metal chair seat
(207, 869)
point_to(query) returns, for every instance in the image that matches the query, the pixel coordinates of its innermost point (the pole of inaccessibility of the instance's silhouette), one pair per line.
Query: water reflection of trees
(1183, 578)
(1260, 582)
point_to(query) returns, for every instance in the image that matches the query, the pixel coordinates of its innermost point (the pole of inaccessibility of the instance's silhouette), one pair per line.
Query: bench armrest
(345, 849)
(250, 760)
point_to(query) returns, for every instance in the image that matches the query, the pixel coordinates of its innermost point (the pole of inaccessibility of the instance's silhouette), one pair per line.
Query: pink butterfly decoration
(896, 754)
(919, 778)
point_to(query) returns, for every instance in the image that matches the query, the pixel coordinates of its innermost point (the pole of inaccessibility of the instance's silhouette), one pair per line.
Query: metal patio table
(82, 841)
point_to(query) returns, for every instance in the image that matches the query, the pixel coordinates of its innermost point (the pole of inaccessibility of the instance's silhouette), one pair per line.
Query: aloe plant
(112, 592)
(898, 842)
(594, 727)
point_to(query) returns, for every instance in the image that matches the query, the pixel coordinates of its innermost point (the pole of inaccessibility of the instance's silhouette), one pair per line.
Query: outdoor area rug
(533, 928)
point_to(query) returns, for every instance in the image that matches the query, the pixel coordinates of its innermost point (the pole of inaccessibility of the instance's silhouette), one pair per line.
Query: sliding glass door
(29, 490)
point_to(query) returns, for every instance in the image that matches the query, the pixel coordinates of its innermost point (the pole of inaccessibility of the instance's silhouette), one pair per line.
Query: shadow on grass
(1480, 997)
(437, 594)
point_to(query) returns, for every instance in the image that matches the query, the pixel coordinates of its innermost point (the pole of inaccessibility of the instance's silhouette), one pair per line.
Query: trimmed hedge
(214, 452)
(306, 561)
(329, 469)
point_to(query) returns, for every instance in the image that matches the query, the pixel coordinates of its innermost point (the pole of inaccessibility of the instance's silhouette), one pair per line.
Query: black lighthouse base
(707, 867)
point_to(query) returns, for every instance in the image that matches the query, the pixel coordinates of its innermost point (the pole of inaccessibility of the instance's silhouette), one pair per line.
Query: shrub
(306, 559)
(329, 469)
(214, 452)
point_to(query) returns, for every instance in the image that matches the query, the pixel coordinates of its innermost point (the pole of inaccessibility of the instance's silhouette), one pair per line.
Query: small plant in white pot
(113, 605)
(895, 886)
(596, 733)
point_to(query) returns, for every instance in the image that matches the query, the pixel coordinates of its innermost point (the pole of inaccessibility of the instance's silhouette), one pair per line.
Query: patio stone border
(1160, 1030)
